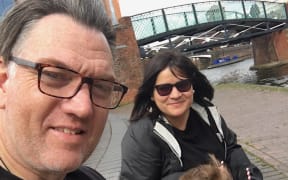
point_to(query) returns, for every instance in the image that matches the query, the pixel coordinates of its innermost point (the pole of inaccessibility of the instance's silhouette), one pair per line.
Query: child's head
(212, 171)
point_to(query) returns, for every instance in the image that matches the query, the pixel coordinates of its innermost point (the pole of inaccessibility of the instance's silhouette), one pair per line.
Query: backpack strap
(212, 117)
(162, 132)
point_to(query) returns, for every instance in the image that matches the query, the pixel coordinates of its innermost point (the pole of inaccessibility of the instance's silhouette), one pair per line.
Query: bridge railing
(172, 18)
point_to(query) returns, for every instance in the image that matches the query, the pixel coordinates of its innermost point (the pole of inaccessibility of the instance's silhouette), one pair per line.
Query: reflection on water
(240, 72)
(237, 72)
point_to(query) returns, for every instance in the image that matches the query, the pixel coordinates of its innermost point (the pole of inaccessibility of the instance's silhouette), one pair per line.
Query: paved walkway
(259, 116)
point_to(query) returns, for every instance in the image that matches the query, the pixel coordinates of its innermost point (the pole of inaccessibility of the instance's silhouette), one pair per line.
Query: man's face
(39, 131)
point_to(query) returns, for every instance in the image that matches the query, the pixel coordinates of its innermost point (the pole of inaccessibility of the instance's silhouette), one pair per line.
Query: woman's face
(174, 105)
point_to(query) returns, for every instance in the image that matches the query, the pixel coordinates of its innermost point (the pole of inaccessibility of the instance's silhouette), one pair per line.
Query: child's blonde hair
(212, 171)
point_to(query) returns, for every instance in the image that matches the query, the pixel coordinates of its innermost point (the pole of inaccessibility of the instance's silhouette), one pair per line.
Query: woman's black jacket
(151, 152)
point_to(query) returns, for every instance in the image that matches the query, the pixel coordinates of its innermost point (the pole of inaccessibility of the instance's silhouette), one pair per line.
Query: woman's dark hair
(178, 64)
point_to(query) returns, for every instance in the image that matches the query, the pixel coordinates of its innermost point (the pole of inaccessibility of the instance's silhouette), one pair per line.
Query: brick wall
(281, 44)
(116, 7)
(128, 65)
(271, 47)
(271, 55)
(263, 50)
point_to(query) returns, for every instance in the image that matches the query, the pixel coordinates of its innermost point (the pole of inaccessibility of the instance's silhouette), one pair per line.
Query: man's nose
(80, 104)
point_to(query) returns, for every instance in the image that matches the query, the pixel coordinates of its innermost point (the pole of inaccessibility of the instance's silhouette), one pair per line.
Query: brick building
(128, 65)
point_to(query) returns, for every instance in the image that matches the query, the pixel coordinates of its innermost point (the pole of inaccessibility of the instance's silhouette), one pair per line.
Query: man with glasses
(57, 85)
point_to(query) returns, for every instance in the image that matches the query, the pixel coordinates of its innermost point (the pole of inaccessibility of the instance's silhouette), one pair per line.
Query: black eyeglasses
(182, 86)
(61, 82)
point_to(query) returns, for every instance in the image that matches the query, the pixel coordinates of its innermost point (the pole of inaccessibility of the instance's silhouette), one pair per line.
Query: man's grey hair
(24, 14)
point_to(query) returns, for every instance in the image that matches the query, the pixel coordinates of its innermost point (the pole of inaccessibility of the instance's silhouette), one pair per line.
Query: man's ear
(3, 79)
(3, 71)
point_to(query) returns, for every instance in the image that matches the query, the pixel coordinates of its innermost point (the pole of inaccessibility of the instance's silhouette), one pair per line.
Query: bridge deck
(210, 23)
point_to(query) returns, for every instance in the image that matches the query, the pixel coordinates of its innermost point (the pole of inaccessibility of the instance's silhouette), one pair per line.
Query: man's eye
(102, 87)
(57, 76)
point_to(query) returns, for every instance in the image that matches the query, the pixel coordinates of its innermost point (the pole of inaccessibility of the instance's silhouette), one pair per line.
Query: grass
(252, 87)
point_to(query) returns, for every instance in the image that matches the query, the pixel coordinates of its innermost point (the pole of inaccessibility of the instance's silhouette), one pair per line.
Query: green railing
(159, 21)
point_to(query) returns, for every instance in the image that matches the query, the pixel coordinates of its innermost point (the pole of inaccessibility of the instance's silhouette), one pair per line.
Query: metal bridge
(207, 24)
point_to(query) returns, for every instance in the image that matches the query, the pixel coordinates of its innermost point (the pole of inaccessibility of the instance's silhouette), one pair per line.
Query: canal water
(240, 72)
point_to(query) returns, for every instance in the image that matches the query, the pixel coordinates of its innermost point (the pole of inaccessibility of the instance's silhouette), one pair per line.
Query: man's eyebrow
(58, 63)
(61, 63)
(53, 61)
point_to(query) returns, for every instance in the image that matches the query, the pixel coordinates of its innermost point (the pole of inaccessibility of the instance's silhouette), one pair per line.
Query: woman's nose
(175, 92)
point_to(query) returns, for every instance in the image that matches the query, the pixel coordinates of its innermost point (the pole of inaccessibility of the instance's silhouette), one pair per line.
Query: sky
(132, 7)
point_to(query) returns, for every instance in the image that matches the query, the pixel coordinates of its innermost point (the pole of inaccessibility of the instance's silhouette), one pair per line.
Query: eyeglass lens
(181, 86)
(64, 83)
(106, 93)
